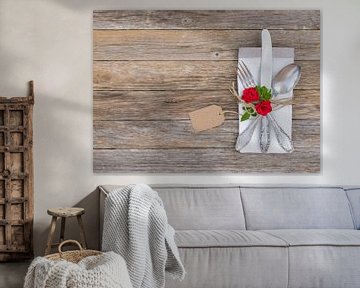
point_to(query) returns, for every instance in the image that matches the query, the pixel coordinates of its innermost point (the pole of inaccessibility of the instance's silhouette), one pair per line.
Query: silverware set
(247, 80)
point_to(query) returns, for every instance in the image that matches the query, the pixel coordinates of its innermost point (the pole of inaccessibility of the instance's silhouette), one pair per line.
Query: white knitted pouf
(107, 270)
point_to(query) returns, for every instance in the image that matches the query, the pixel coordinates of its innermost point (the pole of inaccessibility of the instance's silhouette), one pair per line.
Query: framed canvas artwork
(206, 91)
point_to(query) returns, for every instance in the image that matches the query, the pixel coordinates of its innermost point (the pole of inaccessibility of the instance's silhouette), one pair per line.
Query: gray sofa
(264, 236)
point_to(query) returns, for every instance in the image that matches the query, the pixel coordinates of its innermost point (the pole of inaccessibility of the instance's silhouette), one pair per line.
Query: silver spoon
(286, 79)
(284, 82)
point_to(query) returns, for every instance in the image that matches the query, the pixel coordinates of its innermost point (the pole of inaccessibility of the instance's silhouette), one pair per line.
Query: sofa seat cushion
(226, 238)
(233, 267)
(322, 258)
(317, 237)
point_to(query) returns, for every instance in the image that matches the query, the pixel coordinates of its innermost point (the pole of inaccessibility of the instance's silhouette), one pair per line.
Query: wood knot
(171, 100)
(186, 20)
(6, 173)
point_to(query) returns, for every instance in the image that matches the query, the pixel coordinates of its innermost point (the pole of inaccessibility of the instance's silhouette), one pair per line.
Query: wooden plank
(11, 222)
(156, 105)
(181, 75)
(14, 256)
(14, 100)
(13, 149)
(29, 181)
(206, 19)
(161, 135)
(14, 248)
(13, 200)
(203, 160)
(197, 44)
(175, 105)
(6, 173)
(179, 134)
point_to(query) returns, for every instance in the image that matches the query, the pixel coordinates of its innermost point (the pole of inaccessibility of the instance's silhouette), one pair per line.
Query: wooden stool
(64, 213)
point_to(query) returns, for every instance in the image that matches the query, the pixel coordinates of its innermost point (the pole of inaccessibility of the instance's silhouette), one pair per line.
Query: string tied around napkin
(277, 103)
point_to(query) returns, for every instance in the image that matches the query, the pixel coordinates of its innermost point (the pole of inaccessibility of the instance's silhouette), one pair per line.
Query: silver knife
(265, 80)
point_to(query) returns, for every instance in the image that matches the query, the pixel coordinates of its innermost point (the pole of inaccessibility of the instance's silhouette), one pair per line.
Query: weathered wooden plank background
(151, 68)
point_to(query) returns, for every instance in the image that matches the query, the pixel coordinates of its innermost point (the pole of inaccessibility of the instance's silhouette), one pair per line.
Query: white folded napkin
(252, 59)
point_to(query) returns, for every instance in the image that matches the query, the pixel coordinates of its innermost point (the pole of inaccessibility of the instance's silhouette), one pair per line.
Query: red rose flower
(250, 95)
(263, 108)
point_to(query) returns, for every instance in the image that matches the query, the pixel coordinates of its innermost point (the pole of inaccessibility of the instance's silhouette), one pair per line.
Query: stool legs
(51, 235)
(82, 231)
(64, 213)
(62, 230)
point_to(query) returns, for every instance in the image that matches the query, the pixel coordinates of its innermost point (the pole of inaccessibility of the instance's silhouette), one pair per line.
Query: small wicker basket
(72, 256)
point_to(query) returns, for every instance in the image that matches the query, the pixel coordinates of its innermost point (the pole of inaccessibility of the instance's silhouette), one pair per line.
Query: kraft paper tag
(207, 118)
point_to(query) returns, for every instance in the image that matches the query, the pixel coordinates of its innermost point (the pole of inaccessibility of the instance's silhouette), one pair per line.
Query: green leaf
(245, 116)
(263, 90)
(265, 93)
(250, 109)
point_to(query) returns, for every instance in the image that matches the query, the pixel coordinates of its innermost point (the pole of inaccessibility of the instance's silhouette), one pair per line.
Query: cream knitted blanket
(103, 271)
(136, 227)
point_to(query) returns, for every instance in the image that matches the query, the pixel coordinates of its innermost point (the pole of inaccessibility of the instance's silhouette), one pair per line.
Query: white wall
(50, 41)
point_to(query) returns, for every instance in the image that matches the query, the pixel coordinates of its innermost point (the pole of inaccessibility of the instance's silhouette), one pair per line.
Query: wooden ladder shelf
(16, 177)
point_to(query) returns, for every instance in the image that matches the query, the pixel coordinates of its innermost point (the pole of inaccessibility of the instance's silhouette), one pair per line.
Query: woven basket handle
(70, 241)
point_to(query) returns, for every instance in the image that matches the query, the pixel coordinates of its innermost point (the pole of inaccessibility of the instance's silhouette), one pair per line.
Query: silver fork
(245, 76)
(247, 81)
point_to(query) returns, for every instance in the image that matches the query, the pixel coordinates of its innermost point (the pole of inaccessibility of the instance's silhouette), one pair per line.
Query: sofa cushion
(218, 267)
(203, 208)
(322, 258)
(324, 266)
(296, 208)
(354, 198)
(338, 237)
(226, 238)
